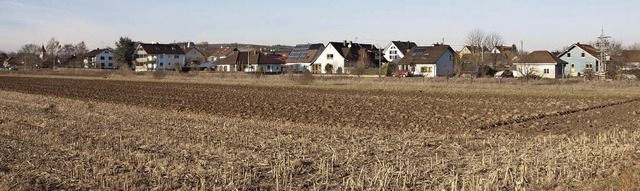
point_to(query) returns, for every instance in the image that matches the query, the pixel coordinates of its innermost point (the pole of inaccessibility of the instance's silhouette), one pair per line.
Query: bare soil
(108, 134)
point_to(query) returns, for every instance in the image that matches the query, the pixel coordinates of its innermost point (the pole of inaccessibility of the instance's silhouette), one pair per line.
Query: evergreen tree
(124, 52)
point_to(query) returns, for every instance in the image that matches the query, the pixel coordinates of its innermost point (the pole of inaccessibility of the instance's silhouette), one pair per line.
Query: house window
(161, 64)
(393, 52)
(101, 57)
(110, 64)
(268, 67)
(393, 57)
(589, 66)
(393, 48)
(329, 56)
(546, 71)
(569, 55)
(176, 56)
(102, 65)
(161, 56)
(110, 58)
(583, 54)
(426, 69)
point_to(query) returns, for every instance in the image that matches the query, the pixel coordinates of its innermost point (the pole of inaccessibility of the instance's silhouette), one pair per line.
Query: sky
(538, 24)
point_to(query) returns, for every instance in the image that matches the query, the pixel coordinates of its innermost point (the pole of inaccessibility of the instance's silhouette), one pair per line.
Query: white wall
(337, 61)
(538, 69)
(165, 61)
(193, 55)
(418, 70)
(387, 53)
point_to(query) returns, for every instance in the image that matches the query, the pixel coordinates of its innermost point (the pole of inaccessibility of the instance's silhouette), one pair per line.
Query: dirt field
(90, 134)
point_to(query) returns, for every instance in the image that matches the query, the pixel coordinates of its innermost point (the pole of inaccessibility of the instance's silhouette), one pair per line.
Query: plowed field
(342, 108)
(102, 134)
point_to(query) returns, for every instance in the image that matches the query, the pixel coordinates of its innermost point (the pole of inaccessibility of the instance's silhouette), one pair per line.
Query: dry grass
(67, 144)
(544, 87)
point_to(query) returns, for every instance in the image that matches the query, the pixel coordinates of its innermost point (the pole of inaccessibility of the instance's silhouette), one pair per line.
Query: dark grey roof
(425, 54)
(94, 53)
(404, 46)
(162, 48)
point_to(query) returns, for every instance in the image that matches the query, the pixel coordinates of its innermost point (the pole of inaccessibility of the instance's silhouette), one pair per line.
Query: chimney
(350, 42)
(188, 44)
(345, 43)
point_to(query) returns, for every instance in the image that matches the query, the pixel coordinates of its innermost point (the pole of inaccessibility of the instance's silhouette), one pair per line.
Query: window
(546, 71)
(393, 48)
(161, 64)
(393, 52)
(102, 65)
(329, 56)
(161, 56)
(569, 55)
(583, 54)
(110, 58)
(589, 66)
(268, 67)
(110, 64)
(393, 57)
(176, 56)
(426, 69)
(101, 57)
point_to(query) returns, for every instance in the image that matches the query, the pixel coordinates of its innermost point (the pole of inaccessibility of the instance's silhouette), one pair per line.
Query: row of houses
(343, 57)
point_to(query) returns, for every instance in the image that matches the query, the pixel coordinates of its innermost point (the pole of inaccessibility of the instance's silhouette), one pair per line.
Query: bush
(305, 78)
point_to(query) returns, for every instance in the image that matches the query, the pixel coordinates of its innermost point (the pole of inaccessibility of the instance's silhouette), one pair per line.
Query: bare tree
(29, 55)
(476, 40)
(634, 46)
(492, 40)
(53, 48)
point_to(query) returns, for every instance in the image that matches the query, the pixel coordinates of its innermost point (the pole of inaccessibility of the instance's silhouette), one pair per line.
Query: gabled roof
(404, 46)
(161, 48)
(351, 53)
(475, 49)
(224, 51)
(94, 53)
(541, 56)
(425, 54)
(587, 48)
(254, 57)
(188, 49)
(305, 53)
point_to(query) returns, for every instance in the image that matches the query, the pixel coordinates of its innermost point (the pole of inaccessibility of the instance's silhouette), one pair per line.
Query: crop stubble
(105, 140)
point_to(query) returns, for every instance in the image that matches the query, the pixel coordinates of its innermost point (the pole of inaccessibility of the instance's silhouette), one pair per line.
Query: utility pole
(379, 62)
(603, 45)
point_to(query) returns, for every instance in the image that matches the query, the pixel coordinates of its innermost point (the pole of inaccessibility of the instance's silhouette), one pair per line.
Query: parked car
(403, 73)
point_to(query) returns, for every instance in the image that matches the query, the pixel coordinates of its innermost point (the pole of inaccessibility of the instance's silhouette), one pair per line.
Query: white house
(338, 57)
(250, 62)
(429, 61)
(100, 59)
(541, 63)
(302, 56)
(156, 56)
(397, 49)
(193, 56)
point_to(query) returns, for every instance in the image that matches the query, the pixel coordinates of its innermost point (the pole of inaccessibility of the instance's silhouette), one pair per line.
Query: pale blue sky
(541, 24)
